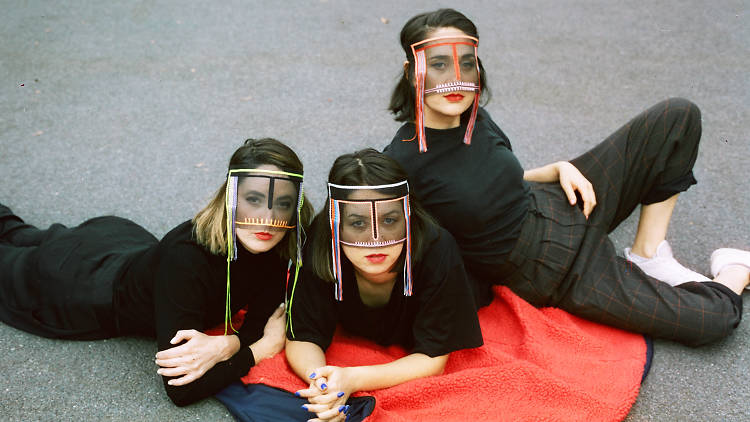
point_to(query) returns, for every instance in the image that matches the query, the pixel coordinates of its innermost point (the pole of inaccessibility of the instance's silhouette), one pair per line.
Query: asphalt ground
(133, 108)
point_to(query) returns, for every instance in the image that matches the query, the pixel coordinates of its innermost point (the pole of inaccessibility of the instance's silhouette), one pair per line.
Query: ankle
(734, 276)
(644, 250)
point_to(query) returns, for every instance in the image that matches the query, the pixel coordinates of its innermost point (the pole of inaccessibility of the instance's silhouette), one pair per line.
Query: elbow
(180, 395)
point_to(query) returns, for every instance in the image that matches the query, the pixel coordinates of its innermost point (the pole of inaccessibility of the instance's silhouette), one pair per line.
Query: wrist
(259, 350)
(230, 346)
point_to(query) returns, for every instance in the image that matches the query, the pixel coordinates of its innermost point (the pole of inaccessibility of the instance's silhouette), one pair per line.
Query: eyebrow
(442, 57)
(358, 216)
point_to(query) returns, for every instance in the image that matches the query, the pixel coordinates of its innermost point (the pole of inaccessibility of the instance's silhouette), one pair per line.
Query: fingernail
(340, 394)
(323, 386)
(170, 382)
(312, 375)
(158, 371)
(304, 406)
(296, 393)
(341, 408)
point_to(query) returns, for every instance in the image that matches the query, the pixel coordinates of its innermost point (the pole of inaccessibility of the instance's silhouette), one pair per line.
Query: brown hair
(366, 167)
(211, 222)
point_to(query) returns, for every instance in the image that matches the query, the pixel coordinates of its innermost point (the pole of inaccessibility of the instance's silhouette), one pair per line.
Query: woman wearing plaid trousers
(524, 230)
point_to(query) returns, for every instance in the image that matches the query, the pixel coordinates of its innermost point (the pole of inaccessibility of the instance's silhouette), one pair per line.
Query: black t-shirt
(475, 191)
(439, 318)
(180, 285)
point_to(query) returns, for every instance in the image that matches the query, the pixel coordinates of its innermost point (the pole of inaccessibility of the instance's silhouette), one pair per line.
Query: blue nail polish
(341, 408)
(304, 406)
(340, 394)
(323, 386)
(296, 393)
(347, 408)
(312, 375)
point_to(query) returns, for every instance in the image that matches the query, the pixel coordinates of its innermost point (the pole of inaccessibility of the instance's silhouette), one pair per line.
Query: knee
(685, 110)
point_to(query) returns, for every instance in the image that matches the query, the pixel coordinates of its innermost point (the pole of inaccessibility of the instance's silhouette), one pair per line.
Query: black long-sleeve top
(440, 317)
(179, 285)
(475, 191)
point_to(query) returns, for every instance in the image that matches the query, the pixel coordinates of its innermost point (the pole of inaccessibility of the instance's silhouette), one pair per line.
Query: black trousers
(59, 282)
(563, 260)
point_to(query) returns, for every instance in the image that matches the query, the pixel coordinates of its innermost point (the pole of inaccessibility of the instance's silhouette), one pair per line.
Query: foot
(724, 257)
(662, 266)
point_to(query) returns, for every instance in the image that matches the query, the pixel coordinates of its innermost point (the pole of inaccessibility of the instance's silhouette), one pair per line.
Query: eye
(252, 199)
(284, 205)
(438, 65)
(469, 64)
(389, 220)
(358, 224)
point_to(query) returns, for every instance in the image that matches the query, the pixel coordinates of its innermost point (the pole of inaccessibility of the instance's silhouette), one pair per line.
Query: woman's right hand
(274, 336)
(329, 404)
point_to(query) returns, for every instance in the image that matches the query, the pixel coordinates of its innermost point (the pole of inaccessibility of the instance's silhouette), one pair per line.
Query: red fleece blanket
(535, 365)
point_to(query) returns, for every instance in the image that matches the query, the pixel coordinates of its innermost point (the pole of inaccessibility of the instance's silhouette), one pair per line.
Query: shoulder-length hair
(211, 222)
(419, 28)
(366, 167)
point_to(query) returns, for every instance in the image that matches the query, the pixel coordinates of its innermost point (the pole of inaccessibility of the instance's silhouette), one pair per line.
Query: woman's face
(357, 227)
(253, 203)
(443, 110)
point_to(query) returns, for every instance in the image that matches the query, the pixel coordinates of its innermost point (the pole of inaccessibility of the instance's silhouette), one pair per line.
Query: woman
(515, 228)
(380, 267)
(109, 277)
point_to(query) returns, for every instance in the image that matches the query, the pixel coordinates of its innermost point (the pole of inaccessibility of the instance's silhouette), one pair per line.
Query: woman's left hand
(330, 404)
(571, 180)
(191, 360)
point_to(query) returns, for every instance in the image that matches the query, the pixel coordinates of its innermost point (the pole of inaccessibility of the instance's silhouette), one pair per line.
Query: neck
(434, 120)
(375, 290)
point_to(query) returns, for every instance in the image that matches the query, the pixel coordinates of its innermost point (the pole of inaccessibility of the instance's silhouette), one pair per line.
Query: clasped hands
(330, 387)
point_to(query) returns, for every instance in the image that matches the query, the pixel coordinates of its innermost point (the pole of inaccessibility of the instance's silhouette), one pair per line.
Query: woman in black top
(380, 267)
(109, 277)
(514, 228)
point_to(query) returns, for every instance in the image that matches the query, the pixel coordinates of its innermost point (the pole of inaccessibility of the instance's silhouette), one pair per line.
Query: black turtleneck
(475, 191)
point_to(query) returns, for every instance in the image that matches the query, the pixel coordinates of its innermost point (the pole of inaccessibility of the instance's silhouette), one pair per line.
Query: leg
(14, 231)
(652, 227)
(647, 161)
(606, 288)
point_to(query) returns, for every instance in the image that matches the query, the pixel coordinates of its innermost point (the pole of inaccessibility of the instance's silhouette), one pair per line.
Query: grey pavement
(133, 108)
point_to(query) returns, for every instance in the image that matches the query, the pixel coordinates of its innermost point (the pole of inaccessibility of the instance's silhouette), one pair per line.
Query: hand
(571, 180)
(329, 390)
(274, 336)
(191, 360)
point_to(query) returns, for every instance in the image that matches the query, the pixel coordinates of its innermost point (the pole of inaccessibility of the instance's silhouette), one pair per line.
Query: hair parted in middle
(366, 167)
(419, 28)
(211, 222)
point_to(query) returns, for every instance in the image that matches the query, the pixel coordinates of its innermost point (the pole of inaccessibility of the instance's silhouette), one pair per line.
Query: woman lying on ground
(521, 228)
(109, 277)
(380, 267)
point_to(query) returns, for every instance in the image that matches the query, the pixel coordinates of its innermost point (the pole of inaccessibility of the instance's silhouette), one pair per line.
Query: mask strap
(336, 250)
(420, 69)
(270, 192)
(475, 106)
(407, 261)
(231, 209)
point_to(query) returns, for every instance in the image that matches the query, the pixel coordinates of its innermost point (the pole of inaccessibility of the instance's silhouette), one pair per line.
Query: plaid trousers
(563, 260)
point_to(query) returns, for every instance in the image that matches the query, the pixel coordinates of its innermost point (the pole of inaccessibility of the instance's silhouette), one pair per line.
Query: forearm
(413, 366)
(226, 371)
(304, 357)
(545, 174)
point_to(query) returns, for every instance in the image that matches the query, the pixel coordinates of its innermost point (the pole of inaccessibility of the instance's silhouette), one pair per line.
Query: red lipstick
(454, 97)
(376, 258)
(263, 236)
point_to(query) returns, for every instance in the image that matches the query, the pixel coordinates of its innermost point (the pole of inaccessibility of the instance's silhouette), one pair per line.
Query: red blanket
(535, 365)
